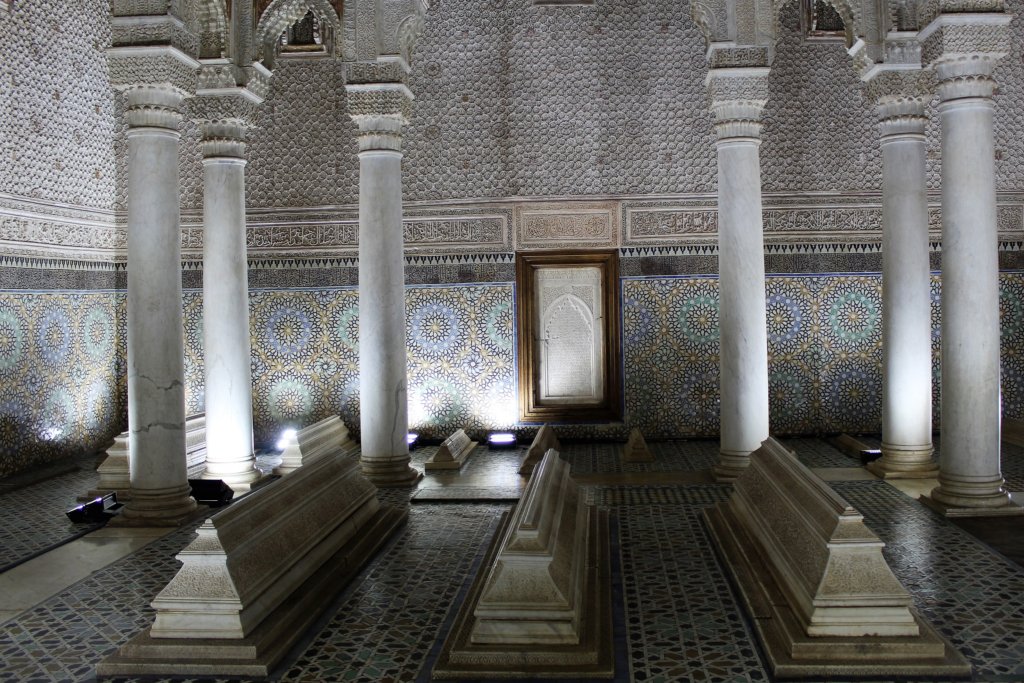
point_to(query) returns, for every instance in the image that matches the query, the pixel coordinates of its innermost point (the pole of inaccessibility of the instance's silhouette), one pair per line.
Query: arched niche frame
(567, 322)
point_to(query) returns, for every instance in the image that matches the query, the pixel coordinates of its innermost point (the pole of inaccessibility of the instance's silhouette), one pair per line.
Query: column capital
(900, 94)
(963, 49)
(738, 96)
(225, 116)
(380, 110)
(153, 106)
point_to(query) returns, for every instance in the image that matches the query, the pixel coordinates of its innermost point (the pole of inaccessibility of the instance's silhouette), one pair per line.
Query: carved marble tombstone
(541, 604)
(542, 443)
(259, 573)
(636, 449)
(823, 600)
(453, 453)
(327, 436)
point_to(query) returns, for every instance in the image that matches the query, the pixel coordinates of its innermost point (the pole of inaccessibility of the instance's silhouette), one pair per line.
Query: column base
(1008, 510)
(905, 462)
(730, 466)
(390, 472)
(980, 498)
(157, 507)
(240, 481)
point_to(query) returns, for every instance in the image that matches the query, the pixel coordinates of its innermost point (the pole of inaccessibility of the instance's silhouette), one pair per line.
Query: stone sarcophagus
(115, 470)
(823, 599)
(259, 573)
(453, 453)
(329, 435)
(542, 443)
(541, 605)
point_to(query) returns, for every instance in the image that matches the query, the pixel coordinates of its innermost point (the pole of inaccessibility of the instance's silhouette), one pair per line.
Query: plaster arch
(280, 14)
(211, 17)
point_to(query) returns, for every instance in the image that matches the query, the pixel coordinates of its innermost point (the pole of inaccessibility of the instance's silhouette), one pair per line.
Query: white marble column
(969, 468)
(906, 279)
(226, 345)
(738, 97)
(156, 396)
(380, 111)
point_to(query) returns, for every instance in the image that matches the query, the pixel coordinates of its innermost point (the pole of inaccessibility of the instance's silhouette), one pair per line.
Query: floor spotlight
(413, 440)
(212, 492)
(501, 440)
(99, 509)
(870, 455)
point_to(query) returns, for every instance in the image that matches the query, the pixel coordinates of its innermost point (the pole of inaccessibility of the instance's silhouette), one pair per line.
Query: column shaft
(384, 421)
(742, 308)
(226, 341)
(906, 297)
(969, 465)
(156, 397)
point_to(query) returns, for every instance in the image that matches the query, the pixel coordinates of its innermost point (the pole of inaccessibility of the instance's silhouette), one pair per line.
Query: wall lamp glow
(501, 440)
(287, 437)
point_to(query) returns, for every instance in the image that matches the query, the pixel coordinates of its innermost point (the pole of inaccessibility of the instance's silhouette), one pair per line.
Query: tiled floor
(679, 616)
(34, 517)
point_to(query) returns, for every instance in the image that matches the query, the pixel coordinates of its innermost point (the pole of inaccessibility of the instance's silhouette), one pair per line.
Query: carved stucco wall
(56, 106)
(518, 100)
(512, 100)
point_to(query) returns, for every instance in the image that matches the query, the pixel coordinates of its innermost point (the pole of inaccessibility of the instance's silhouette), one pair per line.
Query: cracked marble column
(901, 96)
(227, 355)
(380, 110)
(738, 96)
(156, 393)
(963, 51)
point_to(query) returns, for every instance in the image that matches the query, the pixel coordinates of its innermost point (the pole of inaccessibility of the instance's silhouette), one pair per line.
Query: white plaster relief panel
(570, 320)
(326, 233)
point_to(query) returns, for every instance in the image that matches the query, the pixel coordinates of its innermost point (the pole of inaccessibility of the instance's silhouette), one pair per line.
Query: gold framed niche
(567, 316)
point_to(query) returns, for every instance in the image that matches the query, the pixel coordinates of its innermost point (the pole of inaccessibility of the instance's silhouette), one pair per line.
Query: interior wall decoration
(568, 320)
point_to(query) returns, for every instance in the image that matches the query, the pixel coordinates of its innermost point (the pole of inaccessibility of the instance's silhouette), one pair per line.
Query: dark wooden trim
(529, 409)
